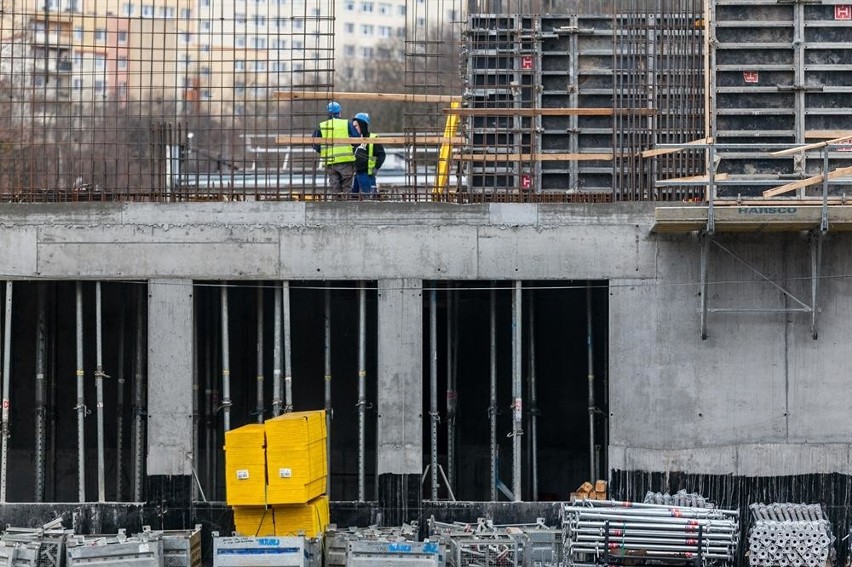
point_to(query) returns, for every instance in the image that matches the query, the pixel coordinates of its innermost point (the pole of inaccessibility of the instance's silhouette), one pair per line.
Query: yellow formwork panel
(253, 521)
(296, 457)
(309, 519)
(245, 466)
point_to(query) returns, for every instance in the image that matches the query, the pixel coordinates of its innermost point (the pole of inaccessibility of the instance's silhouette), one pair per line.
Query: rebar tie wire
(86, 410)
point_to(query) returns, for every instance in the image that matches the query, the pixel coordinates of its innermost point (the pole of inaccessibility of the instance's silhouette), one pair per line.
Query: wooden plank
(548, 111)
(664, 151)
(704, 178)
(814, 146)
(386, 140)
(347, 95)
(513, 158)
(839, 172)
(826, 134)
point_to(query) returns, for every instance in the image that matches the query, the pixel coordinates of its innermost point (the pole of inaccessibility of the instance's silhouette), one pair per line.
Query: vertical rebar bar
(226, 361)
(80, 407)
(99, 391)
(40, 392)
(259, 406)
(451, 393)
(119, 410)
(517, 389)
(138, 398)
(591, 364)
(7, 386)
(209, 407)
(288, 350)
(327, 377)
(276, 353)
(492, 406)
(51, 384)
(362, 387)
(193, 460)
(533, 413)
(433, 390)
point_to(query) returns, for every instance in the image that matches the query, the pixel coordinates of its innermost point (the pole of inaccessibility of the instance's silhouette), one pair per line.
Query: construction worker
(368, 158)
(338, 158)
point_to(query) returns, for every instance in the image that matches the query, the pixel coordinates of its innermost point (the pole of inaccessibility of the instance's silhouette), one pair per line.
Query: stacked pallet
(277, 474)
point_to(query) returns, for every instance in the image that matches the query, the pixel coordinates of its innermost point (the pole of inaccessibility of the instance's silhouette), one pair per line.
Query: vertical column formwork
(503, 69)
(781, 76)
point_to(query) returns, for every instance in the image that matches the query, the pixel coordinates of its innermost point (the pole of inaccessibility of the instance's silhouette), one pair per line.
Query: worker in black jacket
(369, 158)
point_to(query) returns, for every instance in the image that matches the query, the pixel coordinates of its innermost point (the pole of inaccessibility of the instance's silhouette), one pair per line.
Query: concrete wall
(758, 397)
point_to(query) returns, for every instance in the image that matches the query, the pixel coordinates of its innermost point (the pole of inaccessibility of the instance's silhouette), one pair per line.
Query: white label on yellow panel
(285, 473)
(242, 474)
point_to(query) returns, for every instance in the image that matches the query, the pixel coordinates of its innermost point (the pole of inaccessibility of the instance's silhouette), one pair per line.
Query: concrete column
(400, 399)
(170, 365)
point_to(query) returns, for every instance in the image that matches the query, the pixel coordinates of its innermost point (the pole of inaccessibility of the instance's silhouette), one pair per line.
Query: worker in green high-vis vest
(369, 157)
(338, 158)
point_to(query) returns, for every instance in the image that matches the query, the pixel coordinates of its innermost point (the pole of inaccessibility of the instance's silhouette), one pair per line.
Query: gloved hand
(361, 152)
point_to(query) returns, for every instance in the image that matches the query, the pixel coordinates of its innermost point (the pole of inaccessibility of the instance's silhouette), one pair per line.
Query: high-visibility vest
(335, 153)
(371, 159)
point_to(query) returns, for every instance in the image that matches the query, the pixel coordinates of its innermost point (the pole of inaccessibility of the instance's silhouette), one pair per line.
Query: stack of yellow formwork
(245, 479)
(296, 465)
(277, 474)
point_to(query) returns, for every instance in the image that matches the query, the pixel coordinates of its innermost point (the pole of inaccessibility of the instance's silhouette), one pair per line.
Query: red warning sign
(843, 12)
(526, 62)
(751, 76)
(526, 181)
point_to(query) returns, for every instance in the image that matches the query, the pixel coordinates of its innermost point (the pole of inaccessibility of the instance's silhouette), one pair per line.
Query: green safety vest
(335, 153)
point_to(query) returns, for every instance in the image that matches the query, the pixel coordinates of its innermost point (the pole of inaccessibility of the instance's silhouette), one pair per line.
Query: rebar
(99, 391)
(7, 384)
(119, 406)
(452, 394)
(533, 412)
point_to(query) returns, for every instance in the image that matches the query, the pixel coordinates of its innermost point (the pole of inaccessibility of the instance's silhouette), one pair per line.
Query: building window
(205, 70)
(367, 52)
(185, 13)
(128, 10)
(297, 45)
(385, 31)
(349, 5)
(122, 89)
(122, 63)
(186, 37)
(78, 60)
(240, 41)
(349, 50)
(240, 19)
(147, 11)
(259, 21)
(78, 34)
(400, 32)
(77, 84)
(100, 87)
(400, 10)
(205, 3)
(100, 62)
(367, 7)
(239, 88)
(122, 37)
(367, 29)
(100, 35)
(258, 42)
(259, 66)
(349, 27)
(206, 25)
(298, 24)
(384, 8)
(239, 65)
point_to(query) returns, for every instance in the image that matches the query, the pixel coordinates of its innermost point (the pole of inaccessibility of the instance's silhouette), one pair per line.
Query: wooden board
(664, 151)
(814, 146)
(385, 140)
(839, 172)
(347, 95)
(513, 158)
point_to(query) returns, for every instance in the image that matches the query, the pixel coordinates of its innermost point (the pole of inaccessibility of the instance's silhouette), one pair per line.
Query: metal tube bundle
(600, 530)
(789, 535)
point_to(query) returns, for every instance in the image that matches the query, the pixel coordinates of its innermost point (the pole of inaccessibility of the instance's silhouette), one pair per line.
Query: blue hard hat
(364, 117)
(334, 108)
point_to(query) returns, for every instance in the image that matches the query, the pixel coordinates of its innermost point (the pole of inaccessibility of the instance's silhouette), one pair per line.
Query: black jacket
(362, 152)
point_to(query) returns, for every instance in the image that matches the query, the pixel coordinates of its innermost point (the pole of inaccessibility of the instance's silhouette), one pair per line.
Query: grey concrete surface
(169, 419)
(400, 368)
(758, 397)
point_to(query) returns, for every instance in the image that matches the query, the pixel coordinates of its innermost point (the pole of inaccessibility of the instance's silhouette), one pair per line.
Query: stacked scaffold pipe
(679, 498)
(598, 532)
(789, 535)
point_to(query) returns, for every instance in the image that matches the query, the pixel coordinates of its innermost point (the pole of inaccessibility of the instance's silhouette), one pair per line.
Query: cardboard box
(600, 486)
